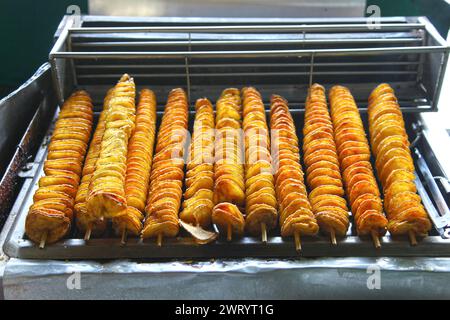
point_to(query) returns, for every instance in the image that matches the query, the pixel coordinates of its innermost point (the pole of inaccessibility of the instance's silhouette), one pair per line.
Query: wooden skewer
(43, 239)
(229, 232)
(376, 239)
(333, 237)
(159, 239)
(87, 235)
(263, 232)
(123, 241)
(412, 238)
(298, 243)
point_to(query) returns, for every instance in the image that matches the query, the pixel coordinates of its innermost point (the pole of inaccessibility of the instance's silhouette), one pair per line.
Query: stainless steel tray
(109, 247)
(281, 56)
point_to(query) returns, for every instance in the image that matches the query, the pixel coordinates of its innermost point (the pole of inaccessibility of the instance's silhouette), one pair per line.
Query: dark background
(27, 28)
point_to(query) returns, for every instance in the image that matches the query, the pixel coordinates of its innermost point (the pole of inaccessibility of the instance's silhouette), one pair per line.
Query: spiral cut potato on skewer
(296, 216)
(166, 179)
(106, 198)
(322, 165)
(394, 164)
(139, 162)
(229, 185)
(354, 156)
(85, 222)
(50, 217)
(198, 198)
(261, 204)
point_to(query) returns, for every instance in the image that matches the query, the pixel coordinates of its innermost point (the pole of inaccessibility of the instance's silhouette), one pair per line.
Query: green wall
(438, 11)
(26, 29)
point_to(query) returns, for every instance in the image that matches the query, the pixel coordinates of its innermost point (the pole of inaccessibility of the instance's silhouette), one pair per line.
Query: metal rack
(200, 54)
(276, 56)
(286, 276)
(109, 247)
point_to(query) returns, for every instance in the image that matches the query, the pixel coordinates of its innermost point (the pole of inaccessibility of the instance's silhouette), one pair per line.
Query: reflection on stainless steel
(229, 8)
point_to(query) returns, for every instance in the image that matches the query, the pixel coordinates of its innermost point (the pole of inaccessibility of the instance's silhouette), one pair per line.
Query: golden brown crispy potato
(50, 217)
(166, 178)
(106, 197)
(139, 162)
(395, 166)
(354, 155)
(296, 216)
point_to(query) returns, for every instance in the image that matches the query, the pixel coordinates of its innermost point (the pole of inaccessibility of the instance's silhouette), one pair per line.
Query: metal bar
(440, 80)
(188, 78)
(244, 74)
(238, 42)
(438, 221)
(444, 212)
(60, 41)
(431, 246)
(227, 21)
(72, 62)
(255, 28)
(421, 60)
(431, 30)
(247, 54)
(56, 48)
(56, 82)
(245, 65)
(311, 70)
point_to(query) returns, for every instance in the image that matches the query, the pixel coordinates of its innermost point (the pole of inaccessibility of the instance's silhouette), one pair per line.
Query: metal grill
(205, 56)
(274, 55)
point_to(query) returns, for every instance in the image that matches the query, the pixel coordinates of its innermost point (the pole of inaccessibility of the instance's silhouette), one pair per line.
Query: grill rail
(199, 53)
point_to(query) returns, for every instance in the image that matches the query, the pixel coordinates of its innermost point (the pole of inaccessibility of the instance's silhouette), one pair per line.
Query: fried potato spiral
(139, 162)
(296, 216)
(322, 165)
(50, 216)
(84, 221)
(229, 186)
(354, 156)
(106, 198)
(261, 202)
(198, 198)
(166, 179)
(394, 164)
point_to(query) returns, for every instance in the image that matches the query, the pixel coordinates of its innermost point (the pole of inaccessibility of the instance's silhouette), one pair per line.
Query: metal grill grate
(204, 56)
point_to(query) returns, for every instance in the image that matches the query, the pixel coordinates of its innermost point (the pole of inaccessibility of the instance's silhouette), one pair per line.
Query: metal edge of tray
(184, 247)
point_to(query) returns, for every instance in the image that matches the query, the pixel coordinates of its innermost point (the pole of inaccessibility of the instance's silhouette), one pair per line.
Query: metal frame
(369, 44)
(436, 244)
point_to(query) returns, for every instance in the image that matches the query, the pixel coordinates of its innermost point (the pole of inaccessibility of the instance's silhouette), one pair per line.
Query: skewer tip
(229, 233)
(376, 239)
(43, 239)
(159, 239)
(298, 243)
(333, 237)
(412, 238)
(263, 232)
(87, 235)
(123, 240)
